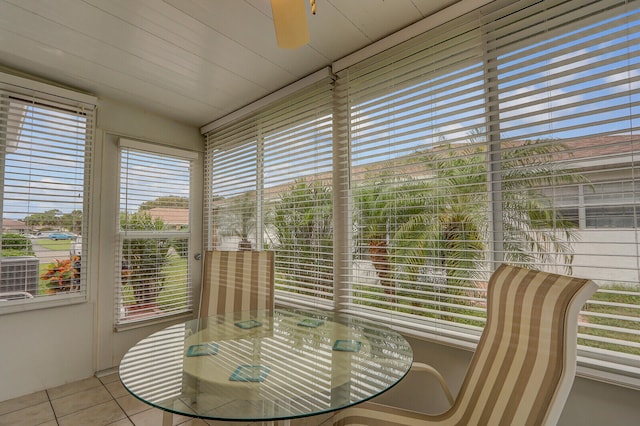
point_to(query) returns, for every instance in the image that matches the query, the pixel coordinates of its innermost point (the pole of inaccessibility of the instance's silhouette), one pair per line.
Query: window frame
(124, 322)
(57, 98)
(625, 372)
(304, 115)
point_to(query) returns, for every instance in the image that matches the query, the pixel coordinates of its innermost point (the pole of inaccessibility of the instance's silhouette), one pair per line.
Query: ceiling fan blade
(290, 21)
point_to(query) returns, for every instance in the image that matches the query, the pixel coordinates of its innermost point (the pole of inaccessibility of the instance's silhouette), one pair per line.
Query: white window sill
(172, 318)
(42, 302)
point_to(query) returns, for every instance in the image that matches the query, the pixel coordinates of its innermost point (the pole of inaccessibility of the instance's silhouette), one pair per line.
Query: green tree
(72, 221)
(382, 199)
(237, 218)
(454, 223)
(50, 218)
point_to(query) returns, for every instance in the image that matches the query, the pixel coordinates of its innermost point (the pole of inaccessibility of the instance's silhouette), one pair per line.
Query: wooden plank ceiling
(191, 60)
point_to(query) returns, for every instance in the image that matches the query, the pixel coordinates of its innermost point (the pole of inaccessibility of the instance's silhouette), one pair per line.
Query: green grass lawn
(53, 244)
(625, 315)
(177, 274)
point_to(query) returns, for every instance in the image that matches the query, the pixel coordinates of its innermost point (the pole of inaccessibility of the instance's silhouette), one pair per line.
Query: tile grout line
(53, 410)
(126, 415)
(58, 418)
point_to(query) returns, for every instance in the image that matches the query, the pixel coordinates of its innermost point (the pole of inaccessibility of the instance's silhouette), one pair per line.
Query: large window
(154, 262)
(269, 187)
(45, 155)
(507, 135)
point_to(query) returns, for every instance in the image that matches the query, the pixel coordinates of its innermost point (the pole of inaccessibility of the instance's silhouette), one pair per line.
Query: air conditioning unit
(19, 274)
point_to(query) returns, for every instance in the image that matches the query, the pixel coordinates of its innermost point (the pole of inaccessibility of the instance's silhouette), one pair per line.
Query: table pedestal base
(167, 418)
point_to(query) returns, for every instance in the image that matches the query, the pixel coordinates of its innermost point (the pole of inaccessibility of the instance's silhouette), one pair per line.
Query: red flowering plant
(62, 275)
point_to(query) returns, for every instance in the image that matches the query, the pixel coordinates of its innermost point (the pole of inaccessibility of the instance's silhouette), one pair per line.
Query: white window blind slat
(507, 135)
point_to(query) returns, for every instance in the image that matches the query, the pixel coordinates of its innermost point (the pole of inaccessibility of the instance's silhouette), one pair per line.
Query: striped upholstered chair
(237, 281)
(524, 365)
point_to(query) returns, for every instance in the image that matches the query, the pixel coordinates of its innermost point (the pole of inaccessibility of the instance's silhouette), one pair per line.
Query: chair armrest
(421, 367)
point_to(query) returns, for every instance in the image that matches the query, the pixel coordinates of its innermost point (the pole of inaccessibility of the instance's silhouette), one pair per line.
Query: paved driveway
(47, 256)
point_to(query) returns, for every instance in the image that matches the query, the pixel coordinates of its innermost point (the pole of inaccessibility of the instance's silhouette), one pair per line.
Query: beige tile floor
(99, 401)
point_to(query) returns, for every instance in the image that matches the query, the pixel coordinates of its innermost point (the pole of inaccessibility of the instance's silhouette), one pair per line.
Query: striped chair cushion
(524, 365)
(237, 281)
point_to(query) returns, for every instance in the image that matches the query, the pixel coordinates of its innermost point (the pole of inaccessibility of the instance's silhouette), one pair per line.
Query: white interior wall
(45, 348)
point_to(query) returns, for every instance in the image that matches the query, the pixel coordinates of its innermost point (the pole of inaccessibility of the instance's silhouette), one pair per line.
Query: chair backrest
(524, 365)
(237, 281)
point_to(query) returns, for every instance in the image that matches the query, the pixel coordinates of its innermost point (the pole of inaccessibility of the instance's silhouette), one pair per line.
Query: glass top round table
(265, 365)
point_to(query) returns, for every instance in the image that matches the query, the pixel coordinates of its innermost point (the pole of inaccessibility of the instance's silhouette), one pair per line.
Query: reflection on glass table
(265, 365)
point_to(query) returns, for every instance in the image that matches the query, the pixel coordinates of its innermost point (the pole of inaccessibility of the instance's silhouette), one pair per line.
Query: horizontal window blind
(153, 270)
(566, 118)
(419, 204)
(269, 187)
(45, 157)
(507, 135)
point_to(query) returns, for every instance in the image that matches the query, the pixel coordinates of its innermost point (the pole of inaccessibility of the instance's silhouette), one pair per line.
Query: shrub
(16, 245)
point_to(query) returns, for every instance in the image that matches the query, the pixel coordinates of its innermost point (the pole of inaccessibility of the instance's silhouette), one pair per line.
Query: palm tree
(379, 200)
(534, 230)
(442, 222)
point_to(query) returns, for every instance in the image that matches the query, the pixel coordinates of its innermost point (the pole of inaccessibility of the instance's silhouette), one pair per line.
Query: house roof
(11, 224)
(170, 216)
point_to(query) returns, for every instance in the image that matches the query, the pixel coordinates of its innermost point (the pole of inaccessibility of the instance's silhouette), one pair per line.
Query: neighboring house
(14, 226)
(178, 218)
(603, 207)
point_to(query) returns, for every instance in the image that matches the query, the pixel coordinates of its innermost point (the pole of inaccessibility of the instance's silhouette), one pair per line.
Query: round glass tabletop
(265, 365)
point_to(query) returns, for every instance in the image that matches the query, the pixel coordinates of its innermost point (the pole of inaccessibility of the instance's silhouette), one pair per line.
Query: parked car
(60, 236)
(76, 247)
